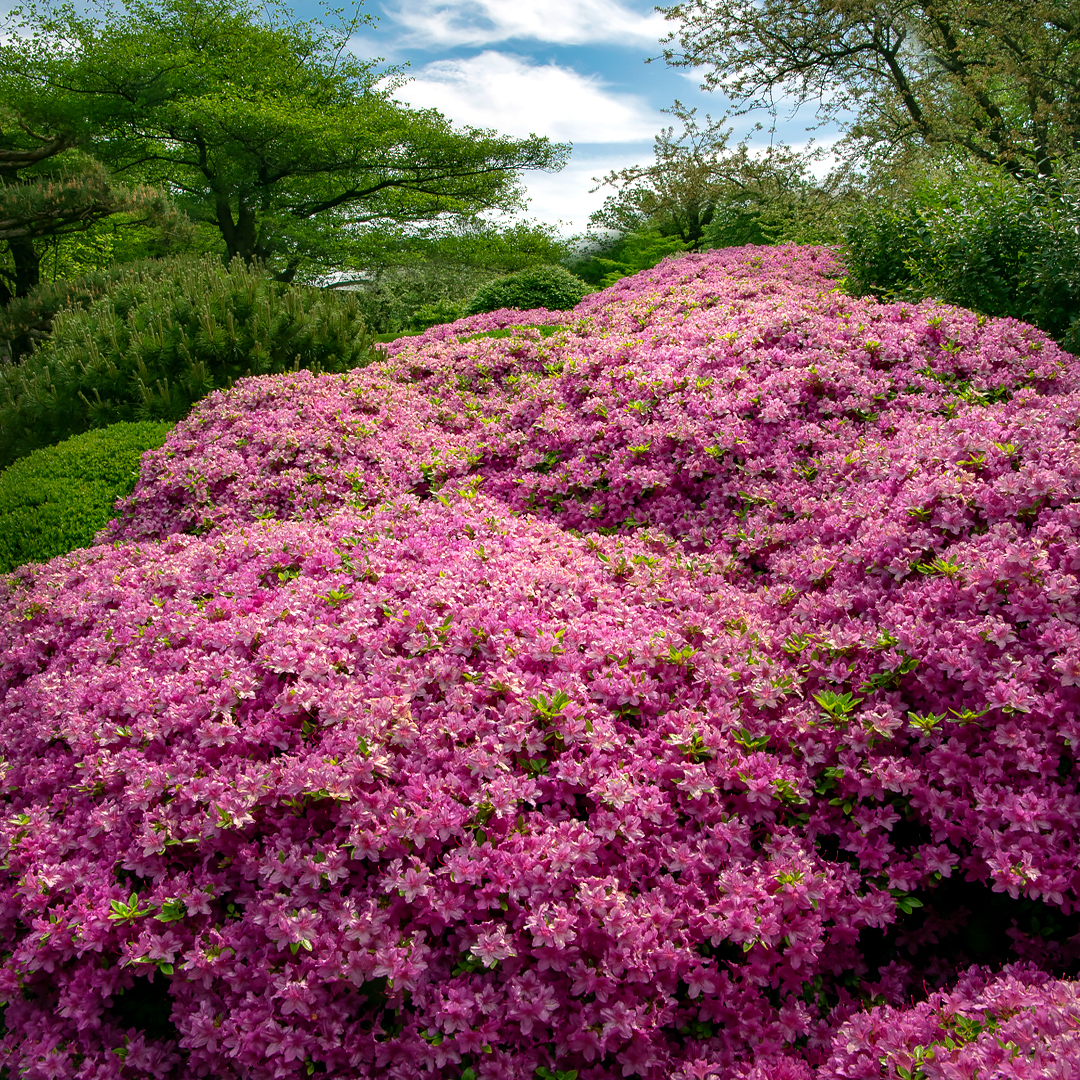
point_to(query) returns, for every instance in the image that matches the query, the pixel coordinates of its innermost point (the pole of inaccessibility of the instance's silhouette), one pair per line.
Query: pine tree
(48, 188)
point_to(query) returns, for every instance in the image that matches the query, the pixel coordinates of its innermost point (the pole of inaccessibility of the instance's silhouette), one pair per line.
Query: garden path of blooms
(685, 686)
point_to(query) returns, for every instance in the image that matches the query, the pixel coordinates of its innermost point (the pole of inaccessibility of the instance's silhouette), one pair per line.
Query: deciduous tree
(678, 192)
(998, 78)
(264, 127)
(695, 177)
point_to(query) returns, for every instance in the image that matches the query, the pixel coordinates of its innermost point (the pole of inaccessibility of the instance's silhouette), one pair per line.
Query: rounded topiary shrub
(57, 498)
(551, 287)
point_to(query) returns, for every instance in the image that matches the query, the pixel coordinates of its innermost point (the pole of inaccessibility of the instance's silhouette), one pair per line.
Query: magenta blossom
(685, 685)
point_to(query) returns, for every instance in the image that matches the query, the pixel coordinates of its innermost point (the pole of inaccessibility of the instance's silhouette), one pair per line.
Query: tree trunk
(239, 234)
(27, 264)
(247, 240)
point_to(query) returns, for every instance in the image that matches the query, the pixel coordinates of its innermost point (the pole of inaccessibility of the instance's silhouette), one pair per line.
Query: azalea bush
(681, 685)
(1021, 1023)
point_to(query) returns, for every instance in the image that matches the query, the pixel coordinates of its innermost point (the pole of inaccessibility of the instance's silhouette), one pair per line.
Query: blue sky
(573, 70)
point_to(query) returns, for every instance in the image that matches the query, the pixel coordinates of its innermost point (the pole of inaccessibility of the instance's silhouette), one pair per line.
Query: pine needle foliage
(163, 338)
(55, 499)
(27, 321)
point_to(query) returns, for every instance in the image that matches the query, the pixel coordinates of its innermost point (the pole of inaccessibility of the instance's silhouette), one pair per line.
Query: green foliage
(57, 498)
(1000, 82)
(551, 287)
(27, 321)
(698, 193)
(475, 244)
(705, 194)
(677, 193)
(428, 315)
(51, 191)
(410, 282)
(620, 256)
(978, 240)
(163, 337)
(413, 294)
(265, 128)
(122, 238)
(781, 209)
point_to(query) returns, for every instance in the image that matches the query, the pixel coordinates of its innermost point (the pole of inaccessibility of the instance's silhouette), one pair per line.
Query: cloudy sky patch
(515, 96)
(573, 70)
(436, 24)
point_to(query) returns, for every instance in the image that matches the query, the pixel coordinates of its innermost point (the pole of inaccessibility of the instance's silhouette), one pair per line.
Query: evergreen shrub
(162, 337)
(26, 321)
(551, 287)
(682, 687)
(428, 315)
(56, 498)
(607, 261)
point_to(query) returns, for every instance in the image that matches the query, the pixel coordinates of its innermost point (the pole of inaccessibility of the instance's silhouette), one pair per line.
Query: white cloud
(370, 44)
(507, 93)
(437, 23)
(564, 197)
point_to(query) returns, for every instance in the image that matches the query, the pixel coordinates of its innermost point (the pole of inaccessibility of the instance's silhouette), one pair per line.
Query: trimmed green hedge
(551, 287)
(56, 499)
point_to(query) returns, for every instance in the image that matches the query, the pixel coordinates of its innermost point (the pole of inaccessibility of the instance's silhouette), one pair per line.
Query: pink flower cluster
(665, 688)
(1021, 1024)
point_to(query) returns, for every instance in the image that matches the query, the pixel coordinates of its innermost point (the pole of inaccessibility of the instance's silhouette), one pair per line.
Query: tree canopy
(678, 192)
(264, 128)
(694, 177)
(998, 78)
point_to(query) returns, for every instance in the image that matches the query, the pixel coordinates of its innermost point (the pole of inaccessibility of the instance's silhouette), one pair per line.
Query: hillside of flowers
(686, 685)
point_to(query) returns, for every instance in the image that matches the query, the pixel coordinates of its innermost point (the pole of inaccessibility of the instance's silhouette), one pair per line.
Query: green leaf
(172, 911)
(837, 706)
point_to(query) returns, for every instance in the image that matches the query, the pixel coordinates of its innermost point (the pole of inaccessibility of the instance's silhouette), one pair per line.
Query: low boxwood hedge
(57, 498)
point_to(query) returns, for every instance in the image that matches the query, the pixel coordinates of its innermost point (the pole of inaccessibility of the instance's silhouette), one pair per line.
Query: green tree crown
(263, 127)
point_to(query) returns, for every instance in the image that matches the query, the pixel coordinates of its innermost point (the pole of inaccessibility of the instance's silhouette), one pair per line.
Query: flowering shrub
(1021, 1024)
(671, 687)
